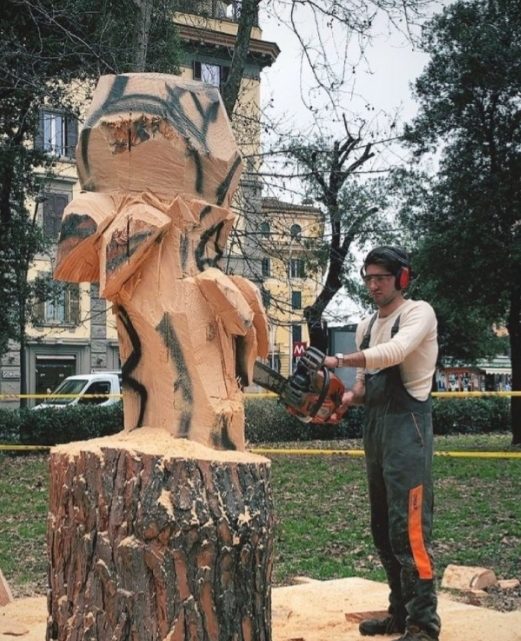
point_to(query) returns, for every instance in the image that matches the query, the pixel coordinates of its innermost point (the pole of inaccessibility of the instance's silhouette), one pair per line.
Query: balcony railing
(213, 9)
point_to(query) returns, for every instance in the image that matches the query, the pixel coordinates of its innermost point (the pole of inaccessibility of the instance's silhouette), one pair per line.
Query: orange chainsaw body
(329, 405)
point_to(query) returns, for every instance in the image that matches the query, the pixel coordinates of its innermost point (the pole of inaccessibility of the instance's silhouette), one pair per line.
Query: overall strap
(367, 336)
(395, 327)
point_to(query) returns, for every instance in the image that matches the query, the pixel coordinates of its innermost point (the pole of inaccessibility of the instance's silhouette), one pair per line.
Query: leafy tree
(470, 113)
(46, 47)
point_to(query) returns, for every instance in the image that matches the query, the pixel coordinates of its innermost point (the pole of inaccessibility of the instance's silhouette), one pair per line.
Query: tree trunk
(142, 33)
(155, 538)
(22, 340)
(230, 90)
(514, 330)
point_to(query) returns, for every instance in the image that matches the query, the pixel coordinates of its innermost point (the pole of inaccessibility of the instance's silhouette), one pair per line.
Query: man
(395, 365)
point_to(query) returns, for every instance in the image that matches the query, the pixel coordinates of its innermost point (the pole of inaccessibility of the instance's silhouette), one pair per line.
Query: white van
(83, 386)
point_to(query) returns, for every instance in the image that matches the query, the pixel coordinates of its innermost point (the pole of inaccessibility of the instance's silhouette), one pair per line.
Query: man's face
(380, 284)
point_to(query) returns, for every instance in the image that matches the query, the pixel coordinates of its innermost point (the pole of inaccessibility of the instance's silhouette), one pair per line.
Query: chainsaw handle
(323, 393)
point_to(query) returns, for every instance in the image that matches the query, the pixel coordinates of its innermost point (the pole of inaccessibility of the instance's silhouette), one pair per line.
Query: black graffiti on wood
(183, 251)
(223, 188)
(117, 101)
(220, 436)
(241, 361)
(78, 226)
(215, 233)
(183, 383)
(131, 363)
(204, 212)
(121, 248)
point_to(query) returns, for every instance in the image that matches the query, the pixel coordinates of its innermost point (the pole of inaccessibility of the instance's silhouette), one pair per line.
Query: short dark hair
(392, 258)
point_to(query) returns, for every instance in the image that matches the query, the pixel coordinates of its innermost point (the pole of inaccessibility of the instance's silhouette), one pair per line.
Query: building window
(296, 333)
(57, 134)
(296, 300)
(233, 11)
(212, 74)
(266, 297)
(296, 268)
(57, 303)
(296, 232)
(264, 229)
(265, 266)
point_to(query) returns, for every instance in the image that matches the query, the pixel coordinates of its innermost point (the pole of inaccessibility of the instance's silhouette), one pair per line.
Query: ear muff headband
(403, 278)
(403, 275)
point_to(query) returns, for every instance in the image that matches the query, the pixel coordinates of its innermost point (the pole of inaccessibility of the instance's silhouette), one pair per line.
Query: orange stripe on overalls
(421, 558)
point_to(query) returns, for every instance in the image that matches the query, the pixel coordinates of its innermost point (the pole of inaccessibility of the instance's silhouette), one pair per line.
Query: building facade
(72, 329)
(290, 280)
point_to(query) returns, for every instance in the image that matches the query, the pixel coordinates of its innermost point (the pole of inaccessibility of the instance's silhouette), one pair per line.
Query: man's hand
(354, 359)
(348, 399)
(331, 362)
(354, 396)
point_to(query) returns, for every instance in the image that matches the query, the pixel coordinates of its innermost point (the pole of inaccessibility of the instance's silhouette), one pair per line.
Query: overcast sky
(382, 81)
(379, 89)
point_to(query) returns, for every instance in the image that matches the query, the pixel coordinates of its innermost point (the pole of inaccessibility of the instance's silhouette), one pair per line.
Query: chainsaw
(312, 393)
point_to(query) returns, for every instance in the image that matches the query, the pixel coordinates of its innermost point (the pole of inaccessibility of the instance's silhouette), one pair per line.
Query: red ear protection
(391, 257)
(403, 278)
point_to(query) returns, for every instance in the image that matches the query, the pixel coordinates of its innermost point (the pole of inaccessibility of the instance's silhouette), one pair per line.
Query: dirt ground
(315, 611)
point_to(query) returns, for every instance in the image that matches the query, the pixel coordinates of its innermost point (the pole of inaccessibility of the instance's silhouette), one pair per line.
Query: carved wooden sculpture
(159, 166)
(152, 534)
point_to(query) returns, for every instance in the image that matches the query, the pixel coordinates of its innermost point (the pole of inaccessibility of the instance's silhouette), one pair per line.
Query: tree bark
(142, 33)
(514, 331)
(230, 91)
(156, 538)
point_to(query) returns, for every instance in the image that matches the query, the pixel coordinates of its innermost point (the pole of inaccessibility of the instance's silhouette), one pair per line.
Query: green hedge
(266, 421)
(51, 426)
(471, 415)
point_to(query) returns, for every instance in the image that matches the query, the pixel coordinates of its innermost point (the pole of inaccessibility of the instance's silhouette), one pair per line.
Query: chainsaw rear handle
(323, 393)
(312, 359)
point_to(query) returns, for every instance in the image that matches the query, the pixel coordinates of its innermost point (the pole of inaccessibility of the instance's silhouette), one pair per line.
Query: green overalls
(398, 447)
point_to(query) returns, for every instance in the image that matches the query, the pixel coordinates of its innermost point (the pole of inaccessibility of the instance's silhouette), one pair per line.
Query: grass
(321, 510)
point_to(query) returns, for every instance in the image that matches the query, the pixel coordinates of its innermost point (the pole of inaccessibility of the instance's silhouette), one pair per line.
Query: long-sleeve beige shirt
(414, 347)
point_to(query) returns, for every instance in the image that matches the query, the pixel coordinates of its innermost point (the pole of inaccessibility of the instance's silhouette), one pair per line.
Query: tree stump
(152, 537)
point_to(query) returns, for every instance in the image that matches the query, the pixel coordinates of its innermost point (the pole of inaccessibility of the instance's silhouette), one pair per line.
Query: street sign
(299, 347)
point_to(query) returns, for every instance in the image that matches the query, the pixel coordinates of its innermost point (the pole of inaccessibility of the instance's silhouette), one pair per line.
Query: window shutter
(72, 304)
(38, 141)
(38, 311)
(196, 70)
(296, 333)
(53, 207)
(225, 72)
(71, 136)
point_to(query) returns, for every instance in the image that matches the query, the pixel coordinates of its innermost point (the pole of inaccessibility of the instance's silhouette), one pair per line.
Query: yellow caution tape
(15, 448)
(312, 452)
(360, 453)
(14, 397)
(473, 394)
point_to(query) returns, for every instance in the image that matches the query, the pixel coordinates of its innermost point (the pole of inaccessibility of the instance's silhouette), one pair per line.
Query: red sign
(299, 347)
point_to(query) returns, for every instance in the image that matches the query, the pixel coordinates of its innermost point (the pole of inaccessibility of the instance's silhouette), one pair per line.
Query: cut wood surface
(6, 595)
(152, 537)
(158, 166)
(466, 577)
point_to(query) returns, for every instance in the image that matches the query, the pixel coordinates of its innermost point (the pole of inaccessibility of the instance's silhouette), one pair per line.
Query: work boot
(389, 625)
(415, 633)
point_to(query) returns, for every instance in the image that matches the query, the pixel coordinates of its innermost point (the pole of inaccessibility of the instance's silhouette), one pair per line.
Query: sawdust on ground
(313, 611)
